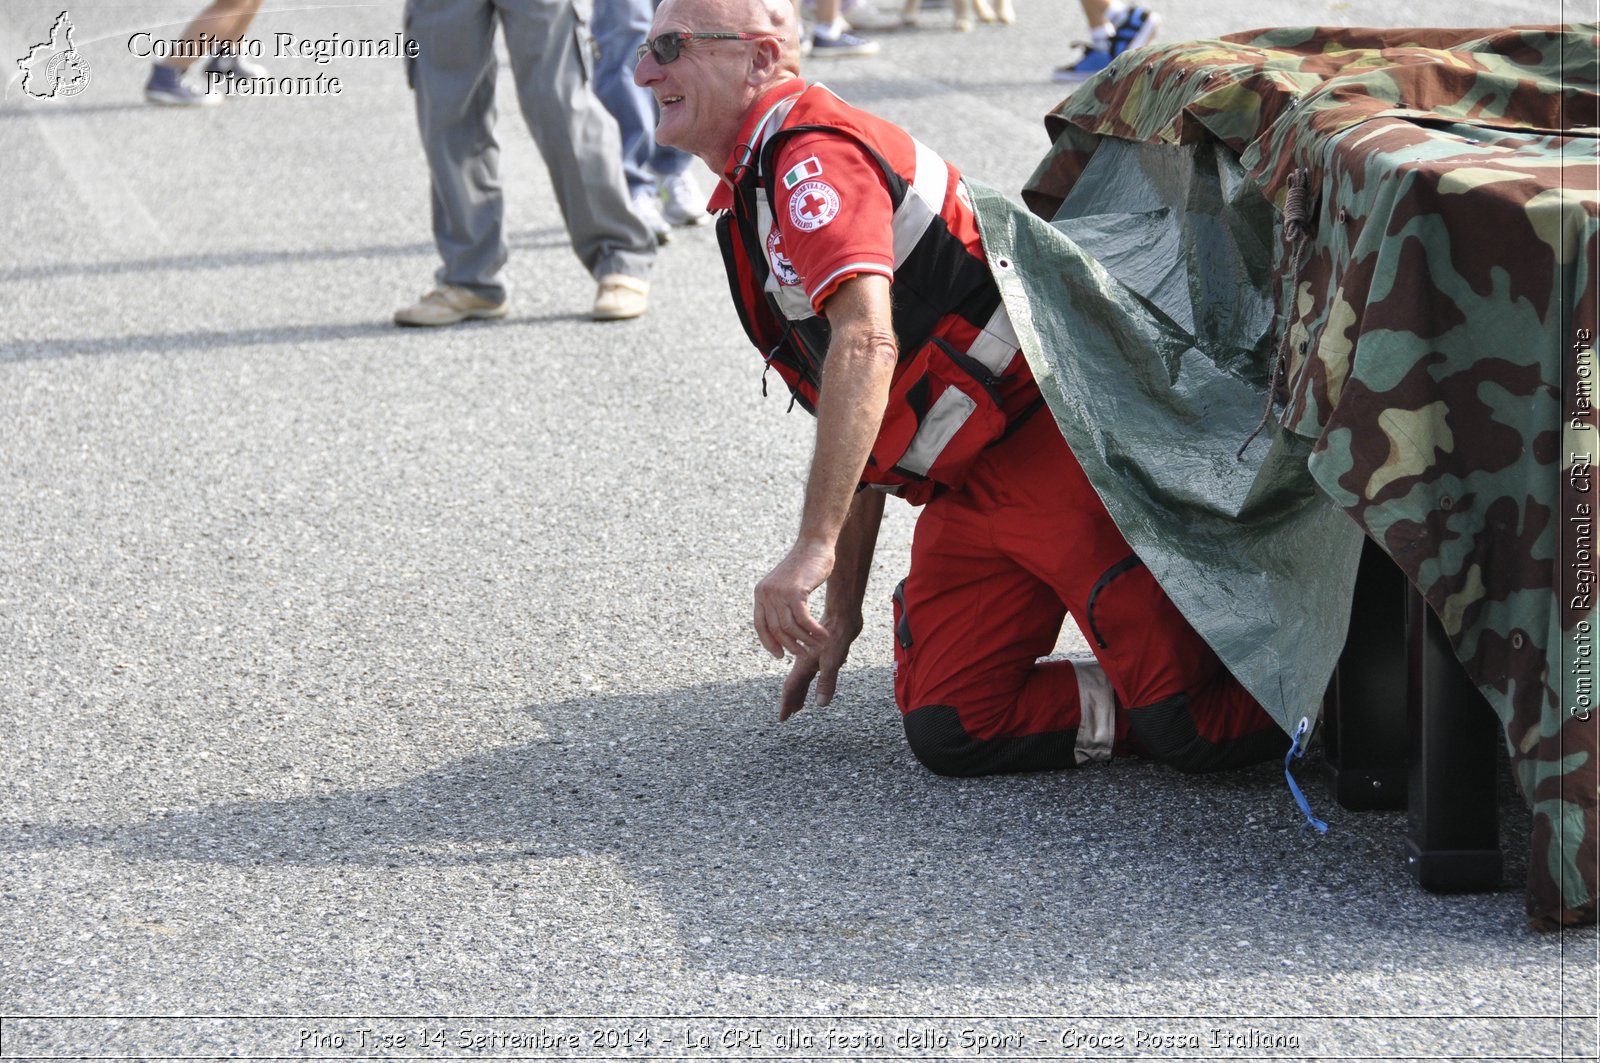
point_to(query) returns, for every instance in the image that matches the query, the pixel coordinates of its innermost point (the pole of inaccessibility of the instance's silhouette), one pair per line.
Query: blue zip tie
(1297, 751)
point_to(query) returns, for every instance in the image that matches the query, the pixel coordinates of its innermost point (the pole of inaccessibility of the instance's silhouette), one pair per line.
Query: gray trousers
(453, 81)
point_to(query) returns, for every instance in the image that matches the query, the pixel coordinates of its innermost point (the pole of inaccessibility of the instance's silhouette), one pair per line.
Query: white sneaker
(233, 65)
(682, 202)
(448, 305)
(648, 207)
(840, 44)
(620, 297)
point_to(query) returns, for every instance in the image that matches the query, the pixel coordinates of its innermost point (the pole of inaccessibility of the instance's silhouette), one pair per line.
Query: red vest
(960, 381)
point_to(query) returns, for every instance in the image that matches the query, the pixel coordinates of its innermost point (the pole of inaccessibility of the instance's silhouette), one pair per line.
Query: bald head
(706, 90)
(777, 17)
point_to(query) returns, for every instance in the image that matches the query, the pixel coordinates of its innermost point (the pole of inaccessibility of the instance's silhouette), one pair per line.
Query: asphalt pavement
(378, 693)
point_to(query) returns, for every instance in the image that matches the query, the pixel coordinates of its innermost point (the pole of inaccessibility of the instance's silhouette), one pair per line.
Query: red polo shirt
(834, 214)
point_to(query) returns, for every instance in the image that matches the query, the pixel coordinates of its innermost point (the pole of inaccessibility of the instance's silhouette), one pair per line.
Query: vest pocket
(959, 415)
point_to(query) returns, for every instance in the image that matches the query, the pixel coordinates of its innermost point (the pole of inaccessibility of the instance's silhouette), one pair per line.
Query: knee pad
(943, 746)
(1167, 733)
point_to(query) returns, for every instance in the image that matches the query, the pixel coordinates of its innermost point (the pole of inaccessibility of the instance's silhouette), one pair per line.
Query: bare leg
(1115, 26)
(829, 36)
(1095, 11)
(221, 21)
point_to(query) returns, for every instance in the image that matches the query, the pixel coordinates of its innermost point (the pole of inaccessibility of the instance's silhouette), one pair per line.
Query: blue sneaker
(1094, 60)
(167, 88)
(1136, 28)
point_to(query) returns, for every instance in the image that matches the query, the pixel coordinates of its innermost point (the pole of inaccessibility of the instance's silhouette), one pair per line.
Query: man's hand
(824, 648)
(783, 617)
(838, 524)
(822, 665)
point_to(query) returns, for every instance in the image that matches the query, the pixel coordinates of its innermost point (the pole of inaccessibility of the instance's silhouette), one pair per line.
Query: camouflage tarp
(1434, 326)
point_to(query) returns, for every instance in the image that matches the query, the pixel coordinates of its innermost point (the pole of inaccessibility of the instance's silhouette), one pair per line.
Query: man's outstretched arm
(855, 392)
(841, 616)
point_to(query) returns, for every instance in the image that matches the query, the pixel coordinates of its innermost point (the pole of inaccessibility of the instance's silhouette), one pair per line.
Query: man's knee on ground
(943, 746)
(1167, 733)
(938, 740)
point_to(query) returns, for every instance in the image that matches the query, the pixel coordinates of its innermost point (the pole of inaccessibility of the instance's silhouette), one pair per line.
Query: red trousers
(995, 568)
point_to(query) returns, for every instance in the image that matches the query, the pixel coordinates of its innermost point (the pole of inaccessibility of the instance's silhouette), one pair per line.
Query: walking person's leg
(213, 34)
(551, 57)
(453, 82)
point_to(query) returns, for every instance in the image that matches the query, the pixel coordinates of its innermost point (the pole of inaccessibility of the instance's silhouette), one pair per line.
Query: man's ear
(766, 61)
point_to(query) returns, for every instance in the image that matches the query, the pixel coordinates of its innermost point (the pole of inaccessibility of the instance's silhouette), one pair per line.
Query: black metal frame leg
(1364, 728)
(1454, 841)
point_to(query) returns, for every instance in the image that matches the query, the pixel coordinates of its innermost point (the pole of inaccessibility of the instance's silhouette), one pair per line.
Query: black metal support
(1364, 728)
(1454, 841)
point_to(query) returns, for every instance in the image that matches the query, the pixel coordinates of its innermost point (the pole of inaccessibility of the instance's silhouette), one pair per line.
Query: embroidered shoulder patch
(782, 268)
(803, 170)
(813, 205)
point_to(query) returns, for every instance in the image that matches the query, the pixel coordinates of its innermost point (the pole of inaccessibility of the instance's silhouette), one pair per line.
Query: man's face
(705, 92)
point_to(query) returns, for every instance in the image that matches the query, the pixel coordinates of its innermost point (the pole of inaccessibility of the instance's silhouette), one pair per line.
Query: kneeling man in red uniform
(855, 262)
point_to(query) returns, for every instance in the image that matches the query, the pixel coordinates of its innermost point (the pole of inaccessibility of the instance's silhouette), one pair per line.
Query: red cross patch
(813, 205)
(782, 268)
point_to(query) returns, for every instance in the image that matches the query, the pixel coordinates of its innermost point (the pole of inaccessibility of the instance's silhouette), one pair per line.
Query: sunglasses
(667, 47)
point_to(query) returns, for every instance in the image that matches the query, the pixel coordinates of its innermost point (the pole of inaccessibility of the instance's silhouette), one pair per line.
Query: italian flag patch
(802, 171)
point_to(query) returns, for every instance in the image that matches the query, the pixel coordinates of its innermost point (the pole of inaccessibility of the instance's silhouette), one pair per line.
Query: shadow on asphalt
(823, 838)
(550, 236)
(230, 339)
(15, 110)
